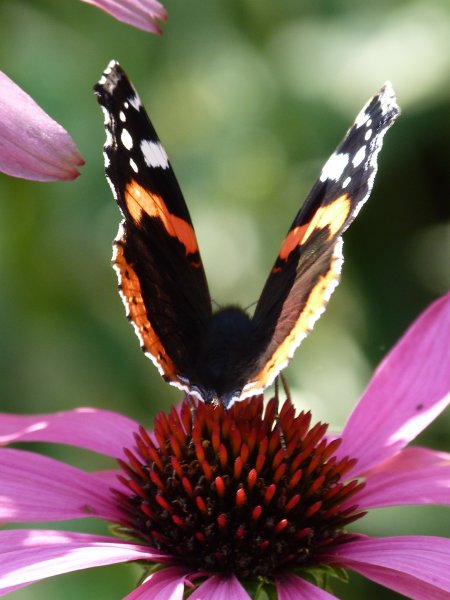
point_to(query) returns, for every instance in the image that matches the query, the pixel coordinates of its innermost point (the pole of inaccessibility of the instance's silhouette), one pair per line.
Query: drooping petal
(292, 587)
(410, 458)
(407, 392)
(38, 488)
(413, 476)
(98, 430)
(27, 555)
(416, 566)
(143, 14)
(165, 584)
(424, 486)
(32, 144)
(220, 588)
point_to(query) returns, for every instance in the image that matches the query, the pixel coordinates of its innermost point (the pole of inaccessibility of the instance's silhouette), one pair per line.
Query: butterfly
(225, 355)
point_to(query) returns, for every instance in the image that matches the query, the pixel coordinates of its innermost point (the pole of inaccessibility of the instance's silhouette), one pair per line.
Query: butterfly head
(211, 397)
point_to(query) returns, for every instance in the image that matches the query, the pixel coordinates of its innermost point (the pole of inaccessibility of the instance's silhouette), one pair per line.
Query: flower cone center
(221, 493)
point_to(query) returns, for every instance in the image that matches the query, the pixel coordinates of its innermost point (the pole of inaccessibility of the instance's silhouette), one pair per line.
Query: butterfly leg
(193, 416)
(277, 414)
(191, 405)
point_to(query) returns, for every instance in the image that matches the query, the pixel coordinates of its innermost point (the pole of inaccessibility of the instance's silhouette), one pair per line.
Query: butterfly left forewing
(156, 257)
(308, 265)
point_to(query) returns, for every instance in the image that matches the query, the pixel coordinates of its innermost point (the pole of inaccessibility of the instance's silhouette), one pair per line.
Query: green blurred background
(250, 97)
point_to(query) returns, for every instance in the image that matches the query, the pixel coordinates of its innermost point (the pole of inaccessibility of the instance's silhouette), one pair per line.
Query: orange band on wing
(130, 290)
(332, 216)
(139, 201)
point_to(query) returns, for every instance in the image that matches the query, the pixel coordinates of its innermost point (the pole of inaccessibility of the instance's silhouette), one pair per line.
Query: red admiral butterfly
(227, 355)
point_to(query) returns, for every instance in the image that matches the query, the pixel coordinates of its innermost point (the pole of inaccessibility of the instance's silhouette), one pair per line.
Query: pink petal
(220, 588)
(415, 566)
(109, 478)
(38, 488)
(408, 391)
(291, 587)
(413, 476)
(28, 555)
(165, 584)
(98, 430)
(143, 14)
(424, 486)
(410, 458)
(32, 144)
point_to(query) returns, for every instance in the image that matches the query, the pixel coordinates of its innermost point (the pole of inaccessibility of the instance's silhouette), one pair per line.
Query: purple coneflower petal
(32, 144)
(165, 584)
(415, 566)
(220, 588)
(143, 14)
(27, 556)
(109, 477)
(407, 392)
(38, 488)
(410, 458)
(292, 587)
(413, 476)
(421, 486)
(101, 431)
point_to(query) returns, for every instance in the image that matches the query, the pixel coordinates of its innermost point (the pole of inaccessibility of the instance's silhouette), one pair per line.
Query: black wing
(161, 277)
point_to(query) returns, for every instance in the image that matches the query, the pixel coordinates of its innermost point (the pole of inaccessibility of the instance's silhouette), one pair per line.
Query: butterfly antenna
(250, 305)
(277, 414)
(193, 416)
(216, 304)
(286, 389)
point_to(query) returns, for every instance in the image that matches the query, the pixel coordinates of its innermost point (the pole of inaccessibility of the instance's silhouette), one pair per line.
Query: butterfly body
(227, 355)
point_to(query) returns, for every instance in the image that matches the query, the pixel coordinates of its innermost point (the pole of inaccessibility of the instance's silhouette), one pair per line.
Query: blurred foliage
(250, 97)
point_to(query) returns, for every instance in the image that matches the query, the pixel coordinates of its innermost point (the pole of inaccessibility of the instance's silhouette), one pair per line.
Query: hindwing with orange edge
(227, 355)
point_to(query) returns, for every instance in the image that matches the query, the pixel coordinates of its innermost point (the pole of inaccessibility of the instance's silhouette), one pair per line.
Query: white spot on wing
(135, 102)
(362, 118)
(106, 116)
(119, 238)
(334, 167)
(387, 98)
(133, 165)
(109, 138)
(346, 182)
(126, 139)
(154, 154)
(122, 116)
(113, 189)
(368, 135)
(107, 71)
(359, 156)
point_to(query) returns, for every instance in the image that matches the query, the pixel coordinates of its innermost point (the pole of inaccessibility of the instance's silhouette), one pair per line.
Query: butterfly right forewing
(308, 266)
